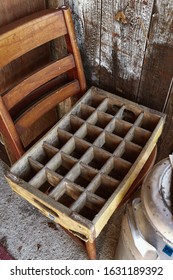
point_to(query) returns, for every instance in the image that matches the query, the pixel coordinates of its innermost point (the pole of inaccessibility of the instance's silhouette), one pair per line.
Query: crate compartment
(84, 111)
(96, 158)
(82, 175)
(78, 148)
(47, 182)
(73, 125)
(106, 186)
(46, 188)
(140, 136)
(70, 194)
(45, 156)
(110, 107)
(120, 128)
(95, 100)
(117, 168)
(109, 142)
(62, 138)
(130, 116)
(100, 119)
(65, 165)
(31, 169)
(89, 133)
(149, 121)
(130, 152)
(91, 206)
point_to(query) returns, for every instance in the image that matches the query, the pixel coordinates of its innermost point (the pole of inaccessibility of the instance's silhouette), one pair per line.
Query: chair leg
(91, 250)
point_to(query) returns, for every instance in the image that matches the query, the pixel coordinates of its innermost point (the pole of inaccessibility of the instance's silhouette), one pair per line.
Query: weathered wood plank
(165, 146)
(158, 64)
(87, 19)
(124, 30)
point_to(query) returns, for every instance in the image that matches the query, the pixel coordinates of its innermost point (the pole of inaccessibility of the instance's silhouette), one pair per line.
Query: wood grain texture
(45, 105)
(54, 3)
(30, 32)
(87, 18)
(73, 48)
(31, 83)
(113, 51)
(124, 30)
(158, 64)
(10, 11)
(20, 37)
(10, 136)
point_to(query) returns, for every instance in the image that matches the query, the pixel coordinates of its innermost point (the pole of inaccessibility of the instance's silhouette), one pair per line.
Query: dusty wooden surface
(127, 48)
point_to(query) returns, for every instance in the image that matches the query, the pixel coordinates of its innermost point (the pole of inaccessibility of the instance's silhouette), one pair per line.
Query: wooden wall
(127, 48)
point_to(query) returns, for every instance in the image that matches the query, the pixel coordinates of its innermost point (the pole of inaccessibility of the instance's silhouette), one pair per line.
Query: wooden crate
(79, 172)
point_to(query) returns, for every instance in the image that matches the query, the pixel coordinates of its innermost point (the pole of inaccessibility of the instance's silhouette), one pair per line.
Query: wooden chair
(23, 105)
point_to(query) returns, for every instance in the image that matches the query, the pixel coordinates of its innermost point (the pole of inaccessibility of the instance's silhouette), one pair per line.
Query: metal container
(147, 226)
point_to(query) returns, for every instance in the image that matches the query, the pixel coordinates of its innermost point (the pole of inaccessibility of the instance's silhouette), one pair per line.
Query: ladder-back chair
(27, 102)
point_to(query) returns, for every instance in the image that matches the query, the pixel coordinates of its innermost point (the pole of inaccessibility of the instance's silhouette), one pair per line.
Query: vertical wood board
(124, 31)
(87, 18)
(158, 64)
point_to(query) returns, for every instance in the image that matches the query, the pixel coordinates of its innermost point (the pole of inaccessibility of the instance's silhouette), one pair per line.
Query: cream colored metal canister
(147, 226)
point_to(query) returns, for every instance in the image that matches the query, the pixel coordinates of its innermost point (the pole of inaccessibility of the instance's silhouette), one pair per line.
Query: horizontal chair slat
(34, 81)
(30, 32)
(45, 105)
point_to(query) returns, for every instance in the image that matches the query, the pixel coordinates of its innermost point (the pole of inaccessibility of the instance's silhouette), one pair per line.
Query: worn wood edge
(19, 23)
(46, 104)
(74, 46)
(10, 136)
(65, 217)
(108, 209)
(21, 33)
(126, 101)
(29, 84)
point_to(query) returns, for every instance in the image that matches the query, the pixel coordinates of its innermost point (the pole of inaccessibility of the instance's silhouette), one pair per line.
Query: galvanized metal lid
(156, 197)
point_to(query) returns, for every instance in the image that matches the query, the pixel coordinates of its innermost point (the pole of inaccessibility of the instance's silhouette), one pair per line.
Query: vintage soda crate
(79, 172)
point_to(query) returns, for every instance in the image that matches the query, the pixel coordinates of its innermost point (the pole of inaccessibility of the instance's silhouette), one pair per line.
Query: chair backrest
(26, 102)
